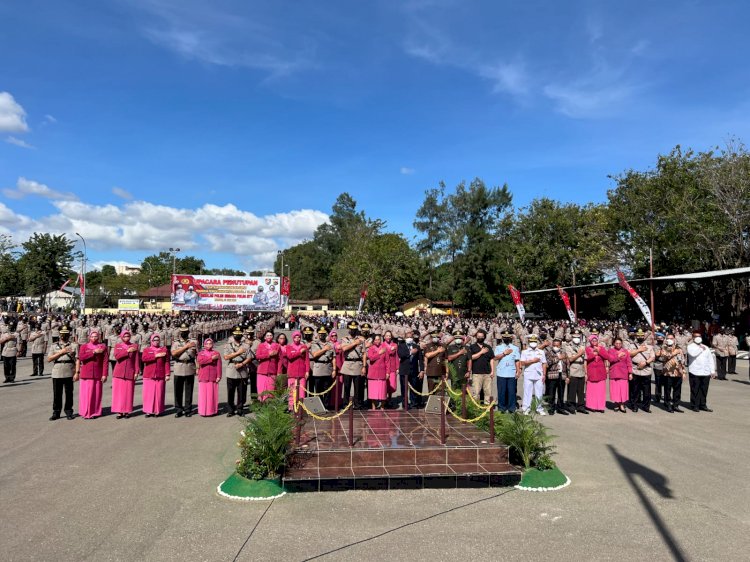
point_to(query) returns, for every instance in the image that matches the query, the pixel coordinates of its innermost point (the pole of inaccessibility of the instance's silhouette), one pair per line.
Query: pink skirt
(90, 398)
(153, 396)
(300, 390)
(208, 398)
(618, 390)
(122, 395)
(377, 389)
(266, 383)
(392, 382)
(596, 395)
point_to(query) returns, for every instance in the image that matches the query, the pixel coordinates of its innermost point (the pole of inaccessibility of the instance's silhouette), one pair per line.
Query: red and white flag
(65, 284)
(362, 297)
(82, 284)
(285, 286)
(566, 302)
(636, 297)
(516, 296)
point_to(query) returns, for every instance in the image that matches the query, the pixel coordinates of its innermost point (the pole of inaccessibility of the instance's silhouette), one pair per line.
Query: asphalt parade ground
(658, 486)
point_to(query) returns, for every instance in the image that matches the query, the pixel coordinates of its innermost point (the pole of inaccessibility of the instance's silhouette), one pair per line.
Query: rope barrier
(472, 420)
(434, 390)
(323, 418)
(330, 388)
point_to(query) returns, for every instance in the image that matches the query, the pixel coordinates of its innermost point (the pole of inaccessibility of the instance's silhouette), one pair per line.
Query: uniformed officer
(10, 342)
(720, 343)
(435, 363)
(658, 366)
(184, 351)
(63, 356)
(353, 348)
(322, 363)
(38, 345)
(642, 355)
(732, 347)
(236, 355)
(575, 354)
(458, 357)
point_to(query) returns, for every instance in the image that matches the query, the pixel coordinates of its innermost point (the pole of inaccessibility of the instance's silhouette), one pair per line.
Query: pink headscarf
(207, 340)
(152, 339)
(296, 333)
(333, 333)
(593, 337)
(125, 332)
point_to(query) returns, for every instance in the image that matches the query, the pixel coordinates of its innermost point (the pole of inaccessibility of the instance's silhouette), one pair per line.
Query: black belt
(354, 360)
(69, 362)
(185, 361)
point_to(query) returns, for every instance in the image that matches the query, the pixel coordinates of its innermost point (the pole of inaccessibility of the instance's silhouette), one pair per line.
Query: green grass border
(543, 480)
(238, 487)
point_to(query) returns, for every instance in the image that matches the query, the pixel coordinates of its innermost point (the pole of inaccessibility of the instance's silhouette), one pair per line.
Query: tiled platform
(394, 449)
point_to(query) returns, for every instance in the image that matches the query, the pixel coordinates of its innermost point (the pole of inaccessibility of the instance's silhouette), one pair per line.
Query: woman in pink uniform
(268, 356)
(282, 341)
(391, 361)
(596, 375)
(124, 374)
(620, 371)
(92, 370)
(155, 374)
(377, 384)
(298, 367)
(209, 375)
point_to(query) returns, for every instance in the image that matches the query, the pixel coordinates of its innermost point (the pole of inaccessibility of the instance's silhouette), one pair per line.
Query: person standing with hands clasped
(183, 352)
(63, 358)
(209, 376)
(480, 367)
(155, 375)
(701, 369)
(505, 367)
(534, 365)
(124, 374)
(91, 369)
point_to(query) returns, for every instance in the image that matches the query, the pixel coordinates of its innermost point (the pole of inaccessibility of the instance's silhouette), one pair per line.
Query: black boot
(55, 416)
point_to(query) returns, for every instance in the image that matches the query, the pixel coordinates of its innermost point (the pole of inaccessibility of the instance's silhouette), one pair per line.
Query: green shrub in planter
(266, 443)
(527, 437)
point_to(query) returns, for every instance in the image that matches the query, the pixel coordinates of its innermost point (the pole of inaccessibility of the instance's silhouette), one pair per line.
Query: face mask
(641, 340)
(237, 338)
(480, 339)
(555, 349)
(576, 340)
(458, 341)
(409, 340)
(506, 340)
(659, 342)
(670, 343)
(435, 340)
(698, 340)
(533, 345)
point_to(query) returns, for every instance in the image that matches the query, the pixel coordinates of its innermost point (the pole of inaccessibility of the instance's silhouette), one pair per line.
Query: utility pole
(82, 286)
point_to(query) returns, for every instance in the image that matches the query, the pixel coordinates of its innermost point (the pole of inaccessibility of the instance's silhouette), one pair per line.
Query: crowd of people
(564, 368)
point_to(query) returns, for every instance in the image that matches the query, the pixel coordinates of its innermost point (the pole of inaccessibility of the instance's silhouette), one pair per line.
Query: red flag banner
(65, 284)
(286, 286)
(362, 297)
(566, 302)
(516, 296)
(82, 284)
(636, 297)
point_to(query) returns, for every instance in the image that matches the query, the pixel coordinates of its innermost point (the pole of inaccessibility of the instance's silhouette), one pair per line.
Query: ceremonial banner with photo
(516, 296)
(636, 297)
(224, 292)
(566, 302)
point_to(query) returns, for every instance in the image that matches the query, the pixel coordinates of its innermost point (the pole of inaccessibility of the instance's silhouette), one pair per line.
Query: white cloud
(147, 227)
(19, 142)
(407, 171)
(122, 193)
(12, 115)
(506, 77)
(26, 187)
(50, 119)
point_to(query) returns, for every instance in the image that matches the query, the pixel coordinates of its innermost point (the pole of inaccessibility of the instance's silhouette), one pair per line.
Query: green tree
(45, 263)
(10, 282)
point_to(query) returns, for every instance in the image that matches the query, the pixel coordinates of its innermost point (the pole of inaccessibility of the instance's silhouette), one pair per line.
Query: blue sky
(229, 127)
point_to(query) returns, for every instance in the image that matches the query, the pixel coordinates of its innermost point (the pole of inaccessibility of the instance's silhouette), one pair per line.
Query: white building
(127, 269)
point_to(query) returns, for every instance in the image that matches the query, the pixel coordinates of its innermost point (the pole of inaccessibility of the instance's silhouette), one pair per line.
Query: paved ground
(656, 486)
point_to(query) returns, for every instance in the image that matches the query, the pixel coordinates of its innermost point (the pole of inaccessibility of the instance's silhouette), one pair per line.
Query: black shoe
(33, 375)
(678, 410)
(55, 416)
(120, 416)
(562, 412)
(179, 414)
(706, 409)
(694, 409)
(634, 410)
(647, 410)
(551, 412)
(188, 414)
(70, 417)
(230, 414)
(670, 410)
(572, 412)
(656, 399)
(583, 412)
(127, 416)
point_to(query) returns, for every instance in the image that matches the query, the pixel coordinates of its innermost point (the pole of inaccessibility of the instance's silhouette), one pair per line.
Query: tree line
(691, 212)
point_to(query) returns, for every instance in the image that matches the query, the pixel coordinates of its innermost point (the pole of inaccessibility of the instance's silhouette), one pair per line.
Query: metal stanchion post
(442, 413)
(463, 401)
(492, 423)
(405, 392)
(351, 422)
(337, 395)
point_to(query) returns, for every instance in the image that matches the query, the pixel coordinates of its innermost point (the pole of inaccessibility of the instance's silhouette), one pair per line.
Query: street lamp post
(174, 260)
(83, 276)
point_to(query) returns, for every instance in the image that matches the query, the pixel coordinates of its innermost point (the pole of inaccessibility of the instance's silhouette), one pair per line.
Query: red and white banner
(362, 297)
(286, 286)
(566, 302)
(516, 296)
(82, 285)
(636, 297)
(223, 292)
(65, 284)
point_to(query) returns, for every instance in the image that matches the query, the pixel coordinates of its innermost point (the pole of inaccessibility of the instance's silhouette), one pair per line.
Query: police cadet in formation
(534, 364)
(732, 346)
(322, 363)
(353, 349)
(10, 343)
(720, 343)
(184, 351)
(673, 360)
(575, 355)
(62, 355)
(557, 378)
(236, 354)
(38, 346)
(481, 367)
(658, 366)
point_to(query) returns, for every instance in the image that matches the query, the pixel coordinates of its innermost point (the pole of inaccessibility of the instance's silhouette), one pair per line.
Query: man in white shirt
(534, 365)
(701, 368)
